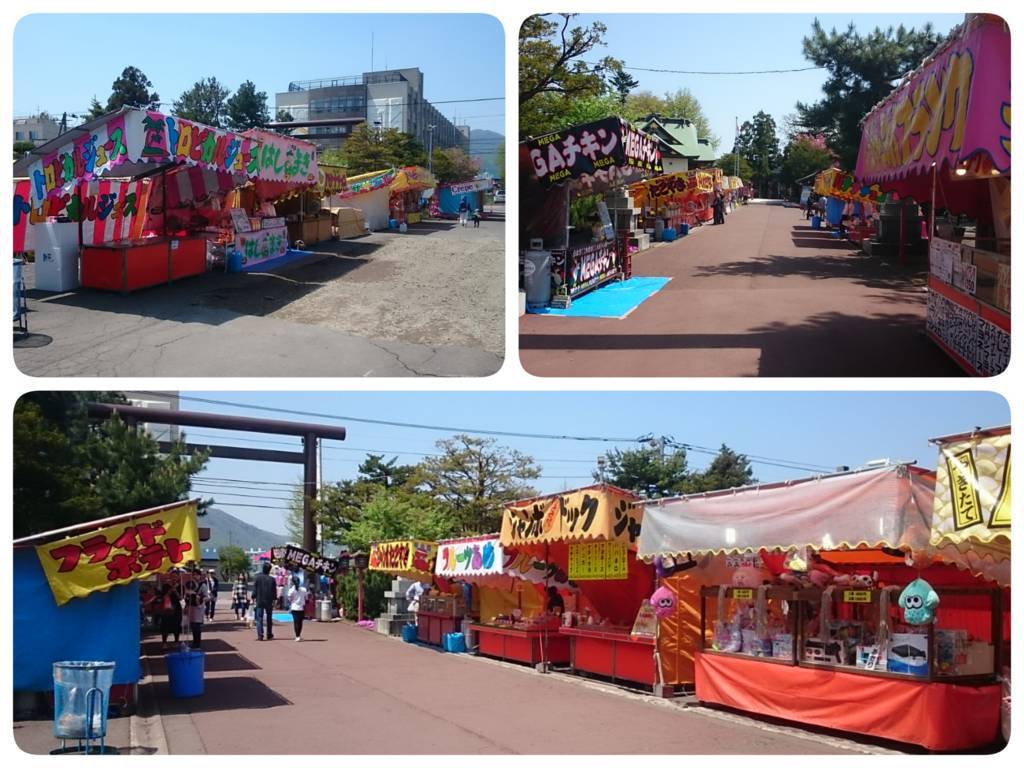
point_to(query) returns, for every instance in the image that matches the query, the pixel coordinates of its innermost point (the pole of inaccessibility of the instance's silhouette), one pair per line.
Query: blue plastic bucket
(185, 672)
(235, 261)
(668, 234)
(815, 222)
(392, 223)
(455, 642)
(409, 633)
(684, 229)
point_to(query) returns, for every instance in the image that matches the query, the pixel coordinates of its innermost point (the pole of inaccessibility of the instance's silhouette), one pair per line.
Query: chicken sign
(586, 149)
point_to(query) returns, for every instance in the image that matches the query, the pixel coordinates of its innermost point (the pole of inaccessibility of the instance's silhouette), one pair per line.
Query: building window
(19, 136)
(32, 136)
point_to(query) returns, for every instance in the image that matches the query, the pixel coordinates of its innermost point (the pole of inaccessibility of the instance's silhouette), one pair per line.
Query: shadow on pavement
(214, 662)
(210, 645)
(221, 694)
(869, 271)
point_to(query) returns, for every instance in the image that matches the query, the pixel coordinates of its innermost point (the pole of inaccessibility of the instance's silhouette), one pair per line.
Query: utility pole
(430, 148)
(735, 148)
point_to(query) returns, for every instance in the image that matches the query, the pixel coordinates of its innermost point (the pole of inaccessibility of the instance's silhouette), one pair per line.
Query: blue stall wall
(449, 203)
(101, 627)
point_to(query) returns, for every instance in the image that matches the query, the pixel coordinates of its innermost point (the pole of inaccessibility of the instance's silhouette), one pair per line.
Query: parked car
(499, 196)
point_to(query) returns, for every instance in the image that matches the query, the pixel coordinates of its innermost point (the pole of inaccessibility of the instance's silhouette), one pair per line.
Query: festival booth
(847, 197)
(943, 138)
(558, 168)
(446, 200)
(307, 220)
(676, 202)
(837, 613)
(410, 559)
(76, 592)
(146, 192)
(406, 192)
(369, 193)
(590, 534)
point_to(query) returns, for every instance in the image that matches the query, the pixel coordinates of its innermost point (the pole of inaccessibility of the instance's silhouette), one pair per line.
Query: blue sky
(269, 49)
(734, 42)
(825, 429)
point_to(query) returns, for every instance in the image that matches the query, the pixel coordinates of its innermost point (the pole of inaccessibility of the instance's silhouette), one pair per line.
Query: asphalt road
(347, 690)
(762, 295)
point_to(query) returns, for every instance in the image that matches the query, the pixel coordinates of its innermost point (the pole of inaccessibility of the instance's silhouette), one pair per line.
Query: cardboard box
(908, 653)
(351, 222)
(864, 653)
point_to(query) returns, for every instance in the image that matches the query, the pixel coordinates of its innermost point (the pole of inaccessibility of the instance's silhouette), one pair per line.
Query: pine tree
(131, 89)
(622, 83)
(203, 102)
(247, 108)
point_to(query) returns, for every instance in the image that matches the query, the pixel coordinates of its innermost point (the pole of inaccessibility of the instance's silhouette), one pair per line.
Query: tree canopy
(862, 70)
(621, 82)
(652, 470)
(452, 164)
(368, 150)
(203, 102)
(130, 89)
(728, 164)
(69, 470)
(247, 108)
(678, 103)
(805, 154)
(232, 561)
(758, 144)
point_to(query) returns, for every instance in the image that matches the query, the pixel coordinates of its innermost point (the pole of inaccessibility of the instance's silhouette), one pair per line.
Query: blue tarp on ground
(449, 203)
(101, 627)
(614, 300)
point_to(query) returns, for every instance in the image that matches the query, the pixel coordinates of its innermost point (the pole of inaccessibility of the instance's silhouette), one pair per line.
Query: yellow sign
(856, 596)
(410, 557)
(122, 553)
(599, 513)
(743, 594)
(972, 490)
(597, 560)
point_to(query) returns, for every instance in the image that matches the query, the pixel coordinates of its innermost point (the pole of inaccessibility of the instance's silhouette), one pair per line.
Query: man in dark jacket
(264, 593)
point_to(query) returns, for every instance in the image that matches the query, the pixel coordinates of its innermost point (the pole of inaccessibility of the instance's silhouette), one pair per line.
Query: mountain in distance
(483, 147)
(227, 529)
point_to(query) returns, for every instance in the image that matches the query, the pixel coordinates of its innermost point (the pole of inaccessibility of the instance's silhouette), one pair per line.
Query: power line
(702, 72)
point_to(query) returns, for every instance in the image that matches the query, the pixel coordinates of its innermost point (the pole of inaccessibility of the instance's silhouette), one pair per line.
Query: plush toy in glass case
(918, 601)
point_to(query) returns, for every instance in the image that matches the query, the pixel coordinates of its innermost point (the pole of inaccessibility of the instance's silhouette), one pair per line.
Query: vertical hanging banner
(22, 210)
(972, 491)
(122, 553)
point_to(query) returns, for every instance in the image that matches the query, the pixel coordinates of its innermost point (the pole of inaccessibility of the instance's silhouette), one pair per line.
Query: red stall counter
(431, 627)
(526, 646)
(938, 716)
(613, 653)
(128, 265)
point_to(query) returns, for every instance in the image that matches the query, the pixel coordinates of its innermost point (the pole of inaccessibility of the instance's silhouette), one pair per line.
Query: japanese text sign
(586, 149)
(261, 245)
(469, 557)
(122, 553)
(600, 513)
(957, 106)
(597, 560)
(296, 557)
(410, 557)
(972, 491)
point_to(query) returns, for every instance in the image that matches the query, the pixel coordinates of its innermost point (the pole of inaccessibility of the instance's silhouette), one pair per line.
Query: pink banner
(953, 110)
(22, 209)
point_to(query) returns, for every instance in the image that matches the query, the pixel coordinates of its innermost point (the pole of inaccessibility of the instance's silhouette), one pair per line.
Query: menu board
(240, 219)
(599, 560)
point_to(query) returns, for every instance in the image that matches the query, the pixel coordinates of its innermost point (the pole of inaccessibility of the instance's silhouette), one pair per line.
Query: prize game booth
(943, 137)
(141, 197)
(835, 610)
(406, 192)
(77, 598)
(848, 198)
(590, 535)
(560, 168)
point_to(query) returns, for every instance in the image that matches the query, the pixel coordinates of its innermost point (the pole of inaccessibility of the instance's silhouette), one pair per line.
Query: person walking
(463, 211)
(297, 605)
(169, 606)
(719, 208)
(240, 596)
(477, 215)
(264, 593)
(214, 584)
(197, 593)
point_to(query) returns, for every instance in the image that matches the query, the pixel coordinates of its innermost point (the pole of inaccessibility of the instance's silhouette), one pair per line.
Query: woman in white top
(197, 592)
(297, 605)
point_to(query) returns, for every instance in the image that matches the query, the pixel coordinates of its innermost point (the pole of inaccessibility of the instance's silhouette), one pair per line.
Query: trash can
(668, 234)
(235, 261)
(323, 610)
(81, 692)
(684, 229)
(409, 633)
(185, 673)
(537, 276)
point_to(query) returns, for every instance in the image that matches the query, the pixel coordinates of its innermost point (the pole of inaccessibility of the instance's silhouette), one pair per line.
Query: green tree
(862, 70)
(247, 108)
(452, 164)
(368, 150)
(284, 116)
(131, 89)
(203, 102)
(233, 561)
(727, 163)
(805, 154)
(679, 103)
(473, 478)
(69, 470)
(621, 82)
(22, 148)
(758, 144)
(500, 153)
(390, 474)
(552, 70)
(398, 514)
(647, 470)
(727, 470)
(95, 109)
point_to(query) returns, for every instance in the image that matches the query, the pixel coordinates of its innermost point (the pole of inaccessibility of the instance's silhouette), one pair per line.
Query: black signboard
(295, 557)
(592, 147)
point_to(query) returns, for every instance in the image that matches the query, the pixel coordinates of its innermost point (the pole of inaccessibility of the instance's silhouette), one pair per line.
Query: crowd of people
(183, 604)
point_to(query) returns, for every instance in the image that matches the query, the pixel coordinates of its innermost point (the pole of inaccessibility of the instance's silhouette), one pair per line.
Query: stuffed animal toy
(918, 601)
(749, 576)
(664, 602)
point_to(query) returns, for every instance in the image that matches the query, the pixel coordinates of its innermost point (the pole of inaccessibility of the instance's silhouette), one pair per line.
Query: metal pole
(931, 225)
(359, 592)
(309, 492)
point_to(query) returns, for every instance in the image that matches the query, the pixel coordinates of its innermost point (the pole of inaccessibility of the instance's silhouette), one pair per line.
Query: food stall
(853, 198)
(558, 168)
(411, 559)
(406, 192)
(369, 193)
(591, 534)
(446, 200)
(822, 624)
(942, 138)
(307, 220)
(676, 199)
(76, 592)
(157, 184)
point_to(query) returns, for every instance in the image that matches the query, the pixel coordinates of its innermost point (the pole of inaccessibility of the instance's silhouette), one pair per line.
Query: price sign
(240, 219)
(856, 596)
(743, 594)
(616, 565)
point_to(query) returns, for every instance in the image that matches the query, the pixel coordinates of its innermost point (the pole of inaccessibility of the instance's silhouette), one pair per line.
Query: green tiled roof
(680, 135)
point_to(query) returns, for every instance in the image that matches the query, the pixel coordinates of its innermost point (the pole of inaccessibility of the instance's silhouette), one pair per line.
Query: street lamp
(430, 148)
(602, 462)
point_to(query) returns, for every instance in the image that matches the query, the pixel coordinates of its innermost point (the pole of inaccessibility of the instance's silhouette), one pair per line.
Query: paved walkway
(763, 295)
(346, 690)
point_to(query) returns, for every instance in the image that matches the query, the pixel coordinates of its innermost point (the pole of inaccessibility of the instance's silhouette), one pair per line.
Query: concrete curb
(146, 731)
